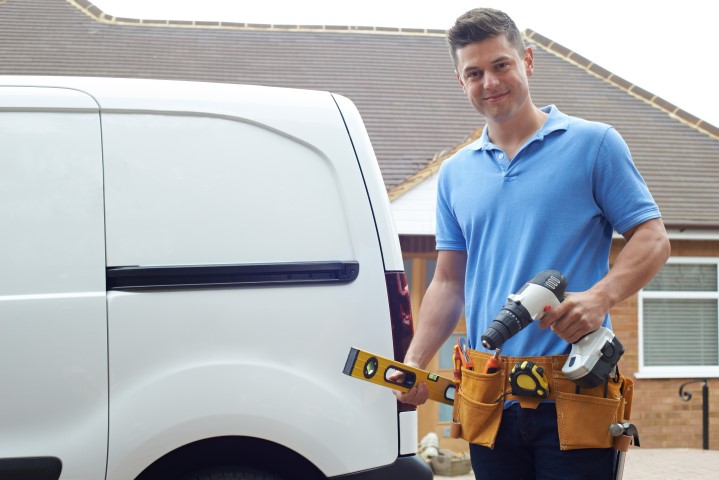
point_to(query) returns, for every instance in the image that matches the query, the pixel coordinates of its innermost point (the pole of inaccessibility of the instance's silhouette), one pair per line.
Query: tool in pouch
(464, 362)
(493, 363)
(528, 380)
(378, 370)
(625, 434)
(458, 358)
(525, 379)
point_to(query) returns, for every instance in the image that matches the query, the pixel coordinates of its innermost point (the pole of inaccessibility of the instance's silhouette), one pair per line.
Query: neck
(509, 135)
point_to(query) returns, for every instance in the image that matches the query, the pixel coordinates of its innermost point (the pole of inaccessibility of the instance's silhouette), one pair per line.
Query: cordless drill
(592, 358)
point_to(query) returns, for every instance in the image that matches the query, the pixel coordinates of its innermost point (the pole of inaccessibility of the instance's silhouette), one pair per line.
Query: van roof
(172, 95)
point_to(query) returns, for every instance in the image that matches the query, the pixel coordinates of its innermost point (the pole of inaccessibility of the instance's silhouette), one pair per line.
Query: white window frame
(683, 371)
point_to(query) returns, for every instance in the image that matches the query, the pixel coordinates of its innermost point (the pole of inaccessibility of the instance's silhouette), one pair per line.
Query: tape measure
(376, 369)
(528, 380)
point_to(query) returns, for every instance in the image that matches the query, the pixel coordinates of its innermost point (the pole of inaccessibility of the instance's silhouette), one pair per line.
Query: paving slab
(658, 463)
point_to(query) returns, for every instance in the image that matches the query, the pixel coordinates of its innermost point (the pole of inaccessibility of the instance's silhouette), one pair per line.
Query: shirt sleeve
(449, 235)
(619, 189)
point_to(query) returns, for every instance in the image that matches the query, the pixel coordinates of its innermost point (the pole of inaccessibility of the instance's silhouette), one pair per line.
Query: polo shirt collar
(555, 121)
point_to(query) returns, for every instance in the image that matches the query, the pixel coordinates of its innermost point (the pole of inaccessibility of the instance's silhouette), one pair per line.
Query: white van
(184, 269)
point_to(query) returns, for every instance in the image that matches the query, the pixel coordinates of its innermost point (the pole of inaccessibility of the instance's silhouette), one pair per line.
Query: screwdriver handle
(457, 360)
(493, 363)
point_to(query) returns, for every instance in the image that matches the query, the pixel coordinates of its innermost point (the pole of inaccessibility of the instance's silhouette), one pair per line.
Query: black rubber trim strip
(409, 467)
(30, 468)
(193, 276)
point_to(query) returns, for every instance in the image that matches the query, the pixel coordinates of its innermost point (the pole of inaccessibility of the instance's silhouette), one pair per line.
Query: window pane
(445, 412)
(685, 278)
(446, 351)
(680, 332)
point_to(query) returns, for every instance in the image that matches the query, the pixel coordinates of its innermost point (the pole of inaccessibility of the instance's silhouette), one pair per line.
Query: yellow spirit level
(376, 369)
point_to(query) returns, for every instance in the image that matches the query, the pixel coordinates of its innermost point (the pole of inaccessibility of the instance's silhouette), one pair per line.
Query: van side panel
(201, 189)
(53, 335)
(248, 182)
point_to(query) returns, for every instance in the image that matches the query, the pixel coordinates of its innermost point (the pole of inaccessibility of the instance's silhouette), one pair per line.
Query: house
(403, 85)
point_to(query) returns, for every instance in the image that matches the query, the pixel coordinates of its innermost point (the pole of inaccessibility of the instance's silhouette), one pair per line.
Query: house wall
(662, 418)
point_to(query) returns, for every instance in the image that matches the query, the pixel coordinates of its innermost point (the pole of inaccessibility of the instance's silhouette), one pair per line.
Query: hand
(579, 314)
(416, 395)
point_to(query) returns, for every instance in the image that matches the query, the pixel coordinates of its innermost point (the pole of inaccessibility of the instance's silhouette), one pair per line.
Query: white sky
(666, 47)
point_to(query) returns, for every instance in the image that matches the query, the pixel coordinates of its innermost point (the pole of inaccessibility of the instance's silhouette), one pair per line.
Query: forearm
(646, 251)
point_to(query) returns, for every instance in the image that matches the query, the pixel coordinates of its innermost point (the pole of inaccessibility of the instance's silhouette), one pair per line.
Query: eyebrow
(503, 58)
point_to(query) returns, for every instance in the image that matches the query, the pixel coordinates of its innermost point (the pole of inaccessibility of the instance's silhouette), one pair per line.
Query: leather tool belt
(583, 415)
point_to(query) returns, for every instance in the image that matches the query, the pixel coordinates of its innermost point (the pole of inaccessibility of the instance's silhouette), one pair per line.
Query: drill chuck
(544, 291)
(512, 318)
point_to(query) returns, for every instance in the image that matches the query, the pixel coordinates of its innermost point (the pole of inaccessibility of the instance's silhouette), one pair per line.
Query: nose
(490, 80)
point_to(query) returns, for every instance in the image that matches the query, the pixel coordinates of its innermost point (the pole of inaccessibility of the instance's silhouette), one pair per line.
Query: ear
(529, 61)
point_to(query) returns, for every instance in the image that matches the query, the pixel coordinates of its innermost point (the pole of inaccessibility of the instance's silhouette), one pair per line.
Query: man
(539, 190)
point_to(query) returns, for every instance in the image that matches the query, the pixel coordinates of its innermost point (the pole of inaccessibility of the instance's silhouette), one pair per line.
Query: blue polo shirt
(554, 206)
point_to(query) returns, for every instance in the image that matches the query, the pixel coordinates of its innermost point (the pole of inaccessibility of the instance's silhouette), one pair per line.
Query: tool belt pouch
(478, 407)
(583, 418)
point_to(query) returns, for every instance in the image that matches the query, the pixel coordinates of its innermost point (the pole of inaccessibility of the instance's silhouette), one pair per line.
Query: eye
(474, 74)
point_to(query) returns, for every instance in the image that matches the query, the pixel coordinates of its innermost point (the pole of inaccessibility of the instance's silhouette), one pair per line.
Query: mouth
(495, 97)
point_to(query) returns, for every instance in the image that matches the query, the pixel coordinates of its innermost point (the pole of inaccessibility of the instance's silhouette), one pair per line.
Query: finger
(422, 393)
(548, 319)
(559, 313)
(560, 326)
(570, 331)
(416, 395)
(573, 335)
(551, 316)
(407, 397)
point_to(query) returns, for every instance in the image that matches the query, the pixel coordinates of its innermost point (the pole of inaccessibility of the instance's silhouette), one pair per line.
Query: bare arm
(438, 316)
(646, 251)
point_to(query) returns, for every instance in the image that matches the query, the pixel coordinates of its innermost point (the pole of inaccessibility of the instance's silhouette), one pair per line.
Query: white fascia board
(414, 212)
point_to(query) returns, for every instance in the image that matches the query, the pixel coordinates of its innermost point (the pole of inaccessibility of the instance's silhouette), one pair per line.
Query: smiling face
(495, 77)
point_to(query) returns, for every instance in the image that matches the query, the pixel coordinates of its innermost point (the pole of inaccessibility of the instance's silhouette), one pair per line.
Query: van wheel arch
(232, 452)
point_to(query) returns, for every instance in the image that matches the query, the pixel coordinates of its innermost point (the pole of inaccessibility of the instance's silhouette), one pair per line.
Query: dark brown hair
(480, 24)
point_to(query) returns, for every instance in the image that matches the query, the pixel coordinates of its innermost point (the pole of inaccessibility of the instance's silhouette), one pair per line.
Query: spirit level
(376, 369)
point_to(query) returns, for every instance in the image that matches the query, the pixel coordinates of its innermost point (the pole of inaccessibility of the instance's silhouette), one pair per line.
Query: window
(445, 414)
(679, 320)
